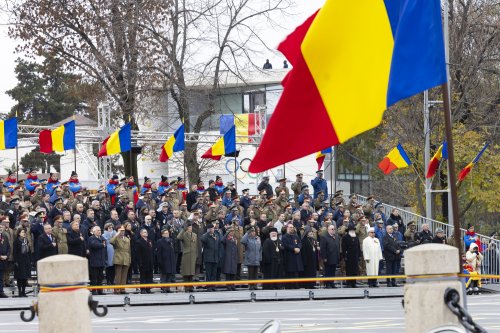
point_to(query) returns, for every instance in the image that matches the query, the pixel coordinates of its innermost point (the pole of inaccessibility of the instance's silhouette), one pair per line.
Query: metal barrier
(491, 246)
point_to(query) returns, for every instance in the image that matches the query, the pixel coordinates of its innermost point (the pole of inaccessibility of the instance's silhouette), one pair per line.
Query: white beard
(352, 233)
(274, 238)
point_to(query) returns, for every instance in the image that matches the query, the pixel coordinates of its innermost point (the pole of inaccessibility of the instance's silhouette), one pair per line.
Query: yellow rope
(253, 282)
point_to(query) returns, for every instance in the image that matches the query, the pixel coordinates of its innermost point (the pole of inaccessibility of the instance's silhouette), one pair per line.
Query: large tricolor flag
(320, 156)
(352, 60)
(465, 171)
(396, 159)
(8, 133)
(441, 153)
(174, 144)
(59, 139)
(118, 142)
(223, 146)
(245, 125)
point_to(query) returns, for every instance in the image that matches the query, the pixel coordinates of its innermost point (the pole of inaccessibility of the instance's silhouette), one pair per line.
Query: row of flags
(398, 159)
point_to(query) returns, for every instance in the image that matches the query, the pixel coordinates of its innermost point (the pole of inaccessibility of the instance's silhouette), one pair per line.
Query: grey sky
(303, 9)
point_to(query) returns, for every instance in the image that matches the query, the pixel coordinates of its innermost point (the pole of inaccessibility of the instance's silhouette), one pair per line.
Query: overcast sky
(304, 8)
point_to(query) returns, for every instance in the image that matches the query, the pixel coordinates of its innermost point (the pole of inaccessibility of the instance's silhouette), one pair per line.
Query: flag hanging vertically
(396, 159)
(465, 171)
(352, 60)
(441, 153)
(223, 146)
(118, 142)
(245, 125)
(320, 156)
(174, 144)
(8, 133)
(59, 139)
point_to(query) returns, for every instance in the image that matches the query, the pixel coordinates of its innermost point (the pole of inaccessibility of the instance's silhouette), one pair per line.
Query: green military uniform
(189, 252)
(61, 240)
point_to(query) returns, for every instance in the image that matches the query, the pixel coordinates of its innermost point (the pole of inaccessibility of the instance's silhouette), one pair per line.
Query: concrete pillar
(63, 311)
(424, 298)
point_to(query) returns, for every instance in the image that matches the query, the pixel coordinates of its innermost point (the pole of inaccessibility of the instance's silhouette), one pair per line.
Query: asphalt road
(360, 315)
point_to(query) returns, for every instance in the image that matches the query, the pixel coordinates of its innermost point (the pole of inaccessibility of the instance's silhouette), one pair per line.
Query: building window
(252, 99)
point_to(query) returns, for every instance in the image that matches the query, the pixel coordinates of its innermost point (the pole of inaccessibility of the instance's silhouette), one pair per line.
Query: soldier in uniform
(189, 241)
(265, 186)
(281, 201)
(282, 187)
(369, 207)
(362, 228)
(297, 187)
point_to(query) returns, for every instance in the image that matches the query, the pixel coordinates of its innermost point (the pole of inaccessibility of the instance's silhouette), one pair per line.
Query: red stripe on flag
(163, 155)
(300, 105)
(387, 166)
(465, 171)
(433, 166)
(251, 124)
(208, 154)
(103, 151)
(45, 141)
(320, 161)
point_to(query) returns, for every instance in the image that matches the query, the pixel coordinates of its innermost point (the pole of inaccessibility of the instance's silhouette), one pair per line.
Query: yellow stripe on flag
(335, 50)
(169, 146)
(241, 123)
(2, 135)
(113, 144)
(218, 147)
(396, 158)
(58, 139)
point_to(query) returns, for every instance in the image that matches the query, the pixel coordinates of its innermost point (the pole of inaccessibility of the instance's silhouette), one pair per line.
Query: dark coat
(22, 261)
(293, 261)
(98, 252)
(76, 245)
(211, 246)
(273, 253)
(352, 252)
(391, 245)
(231, 256)
(144, 250)
(4, 251)
(267, 187)
(45, 247)
(52, 214)
(167, 258)
(330, 249)
(309, 257)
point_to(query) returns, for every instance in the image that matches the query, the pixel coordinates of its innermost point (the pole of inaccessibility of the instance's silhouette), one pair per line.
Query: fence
(491, 246)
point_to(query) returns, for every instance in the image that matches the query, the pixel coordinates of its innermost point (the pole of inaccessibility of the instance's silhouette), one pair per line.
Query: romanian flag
(118, 142)
(8, 133)
(224, 146)
(352, 60)
(174, 144)
(320, 156)
(59, 139)
(441, 153)
(396, 159)
(245, 125)
(465, 171)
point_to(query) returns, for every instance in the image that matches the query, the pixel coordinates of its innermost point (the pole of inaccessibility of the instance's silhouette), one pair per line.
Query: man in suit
(145, 259)
(392, 252)
(47, 245)
(97, 258)
(330, 253)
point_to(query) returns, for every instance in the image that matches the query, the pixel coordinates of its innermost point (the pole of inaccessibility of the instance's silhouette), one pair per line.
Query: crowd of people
(207, 233)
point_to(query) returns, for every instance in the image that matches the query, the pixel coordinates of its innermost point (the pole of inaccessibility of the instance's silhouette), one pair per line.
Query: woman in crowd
(109, 233)
(231, 256)
(253, 254)
(22, 261)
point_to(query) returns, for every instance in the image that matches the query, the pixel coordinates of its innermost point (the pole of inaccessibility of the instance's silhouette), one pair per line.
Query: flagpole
(332, 190)
(130, 155)
(452, 185)
(74, 151)
(235, 173)
(17, 157)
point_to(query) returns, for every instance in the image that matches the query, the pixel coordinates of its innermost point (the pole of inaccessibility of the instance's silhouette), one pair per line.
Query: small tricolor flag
(465, 171)
(320, 156)
(174, 144)
(396, 159)
(59, 139)
(118, 142)
(441, 153)
(223, 146)
(351, 61)
(8, 133)
(245, 125)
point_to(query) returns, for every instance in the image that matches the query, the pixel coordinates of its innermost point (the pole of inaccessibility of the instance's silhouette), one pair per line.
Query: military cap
(304, 187)
(299, 175)
(58, 200)
(319, 171)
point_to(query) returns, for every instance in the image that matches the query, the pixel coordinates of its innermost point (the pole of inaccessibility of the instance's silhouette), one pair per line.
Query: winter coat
(293, 261)
(391, 245)
(76, 245)
(253, 250)
(211, 246)
(231, 255)
(330, 249)
(352, 251)
(474, 259)
(189, 252)
(122, 254)
(97, 251)
(144, 248)
(109, 247)
(167, 258)
(309, 253)
(61, 239)
(22, 259)
(372, 254)
(319, 184)
(45, 246)
(4, 251)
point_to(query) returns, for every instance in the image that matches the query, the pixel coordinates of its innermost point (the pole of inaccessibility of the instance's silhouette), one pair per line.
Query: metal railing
(490, 246)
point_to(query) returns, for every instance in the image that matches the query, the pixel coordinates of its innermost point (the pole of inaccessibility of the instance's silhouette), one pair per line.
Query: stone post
(63, 311)
(424, 298)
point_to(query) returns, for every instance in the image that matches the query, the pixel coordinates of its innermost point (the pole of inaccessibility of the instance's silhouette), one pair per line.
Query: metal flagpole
(74, 151)
(452, 185)
(17, 158)
(235, 173)
(332, 182)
